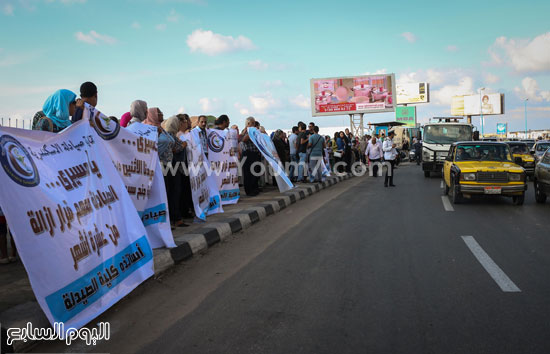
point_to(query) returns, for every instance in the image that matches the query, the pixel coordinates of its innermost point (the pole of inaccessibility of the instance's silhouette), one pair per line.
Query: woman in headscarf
(125, 119)
(58, 109)
(138, 111)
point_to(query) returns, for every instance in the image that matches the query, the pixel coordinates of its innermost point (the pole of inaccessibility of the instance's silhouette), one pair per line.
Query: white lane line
(447, 203)
(505, 283)
(441, 185)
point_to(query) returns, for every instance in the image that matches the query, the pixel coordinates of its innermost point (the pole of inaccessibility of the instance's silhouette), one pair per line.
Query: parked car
(540, 148)
(542, 178)
(521, 149)
(483, 168)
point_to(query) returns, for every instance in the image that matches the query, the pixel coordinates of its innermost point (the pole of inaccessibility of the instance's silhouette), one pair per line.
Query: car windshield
(542, 146)
(519, 149)
(483, 152)
(446, 134)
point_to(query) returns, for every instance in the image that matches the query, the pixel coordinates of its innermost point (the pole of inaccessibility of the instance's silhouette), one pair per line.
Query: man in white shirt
(374, 154)
(390, 153)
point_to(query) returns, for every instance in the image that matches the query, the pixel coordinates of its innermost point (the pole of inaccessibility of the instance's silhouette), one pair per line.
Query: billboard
(406, 115)
(501, 128)
(475, 105)
(353, 95)
(418, 92)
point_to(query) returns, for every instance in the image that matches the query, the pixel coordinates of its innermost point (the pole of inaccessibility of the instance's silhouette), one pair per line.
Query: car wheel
(427, 174)
(518, 199)
(540, 197)
(455, 195)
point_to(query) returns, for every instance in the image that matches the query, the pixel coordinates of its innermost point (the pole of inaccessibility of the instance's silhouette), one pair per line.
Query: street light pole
(525, 116)
(481, 109)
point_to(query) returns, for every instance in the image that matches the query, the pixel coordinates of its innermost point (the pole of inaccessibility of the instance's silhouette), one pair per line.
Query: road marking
(447, 203)
(505, 283)
(441, 185)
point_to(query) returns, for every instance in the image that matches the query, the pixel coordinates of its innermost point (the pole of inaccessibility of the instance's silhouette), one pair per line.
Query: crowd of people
(308, 156)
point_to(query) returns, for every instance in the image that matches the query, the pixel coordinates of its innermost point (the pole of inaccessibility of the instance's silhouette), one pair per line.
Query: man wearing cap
(390, 153)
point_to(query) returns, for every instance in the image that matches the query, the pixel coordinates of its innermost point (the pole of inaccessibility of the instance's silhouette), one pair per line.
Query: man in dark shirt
(88, 94)
(302, 149)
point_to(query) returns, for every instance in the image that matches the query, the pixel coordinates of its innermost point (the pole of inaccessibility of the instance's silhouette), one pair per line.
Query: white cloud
(259, 104)
(379, 71)
(210, 105)
(274, 84)
(432, 76)
(173, 16)
(409, 36)
(7, 9)
(211, 43)
(530, 89)
(258, 65)
(160, 27)
(182, 110)
(452, 48)
(94, 38)
(491, 78)
(444, 95)
(524, 55)
(262, 103)
(301, 101)
(136, 25)
(68, 2)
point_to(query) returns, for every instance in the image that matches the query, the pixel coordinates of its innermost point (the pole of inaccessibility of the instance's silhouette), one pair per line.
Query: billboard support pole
(356, 125)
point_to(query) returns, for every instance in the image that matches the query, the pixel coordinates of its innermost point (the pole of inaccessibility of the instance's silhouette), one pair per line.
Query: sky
(256, 58)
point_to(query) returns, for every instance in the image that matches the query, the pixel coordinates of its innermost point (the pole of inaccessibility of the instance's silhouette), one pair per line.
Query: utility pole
(525, 116)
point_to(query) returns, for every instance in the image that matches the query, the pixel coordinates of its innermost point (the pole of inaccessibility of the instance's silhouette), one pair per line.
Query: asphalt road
(359, 269)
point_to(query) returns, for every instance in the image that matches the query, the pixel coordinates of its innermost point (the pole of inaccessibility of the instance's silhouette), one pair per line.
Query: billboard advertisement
(418, 92)
(353, 95)
(406, 115)
(501, 128)
(475, 105)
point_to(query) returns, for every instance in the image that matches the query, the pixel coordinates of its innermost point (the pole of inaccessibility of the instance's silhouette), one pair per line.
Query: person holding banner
(251, 154)
(186, 202)
(172, 126)
(201, 129)
(58, 110)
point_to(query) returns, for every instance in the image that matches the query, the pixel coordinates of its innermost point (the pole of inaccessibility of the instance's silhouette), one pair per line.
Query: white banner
(75, 226)
(204, 190)
(265, 145)
(135, 156)
(224, 162)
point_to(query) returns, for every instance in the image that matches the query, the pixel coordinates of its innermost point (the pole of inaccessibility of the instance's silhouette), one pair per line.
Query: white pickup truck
(438, 137)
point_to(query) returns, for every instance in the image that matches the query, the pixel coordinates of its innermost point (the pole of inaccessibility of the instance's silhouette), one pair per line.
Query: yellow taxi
(483, 168)
(521, 150)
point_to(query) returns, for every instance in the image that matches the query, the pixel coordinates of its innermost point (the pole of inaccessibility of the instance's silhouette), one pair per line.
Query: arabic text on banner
(204, 189)
(223, 156)
(76, 229)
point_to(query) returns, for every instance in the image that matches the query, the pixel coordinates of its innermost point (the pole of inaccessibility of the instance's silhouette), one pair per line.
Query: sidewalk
(18, 304)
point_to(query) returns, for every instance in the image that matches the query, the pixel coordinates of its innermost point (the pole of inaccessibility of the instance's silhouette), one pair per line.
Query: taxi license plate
(493, 190)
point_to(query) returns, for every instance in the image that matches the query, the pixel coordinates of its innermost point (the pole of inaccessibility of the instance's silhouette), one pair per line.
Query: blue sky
(256, 57)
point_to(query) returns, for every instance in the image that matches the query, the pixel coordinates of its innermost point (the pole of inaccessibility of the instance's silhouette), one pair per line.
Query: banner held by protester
(77, 231)
(265, 145)
(224, 162)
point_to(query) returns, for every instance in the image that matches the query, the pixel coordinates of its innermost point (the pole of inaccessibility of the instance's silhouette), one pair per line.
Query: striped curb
(200, 240)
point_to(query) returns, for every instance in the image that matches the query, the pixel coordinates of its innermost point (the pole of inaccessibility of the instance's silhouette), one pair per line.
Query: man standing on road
(201, 128)
(390, 153)
(302, 150)
(374, 155)
(292, 142)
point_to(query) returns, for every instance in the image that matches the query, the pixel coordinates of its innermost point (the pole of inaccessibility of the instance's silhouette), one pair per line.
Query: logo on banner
(106, 127)
(17, 162)
(215, 142)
